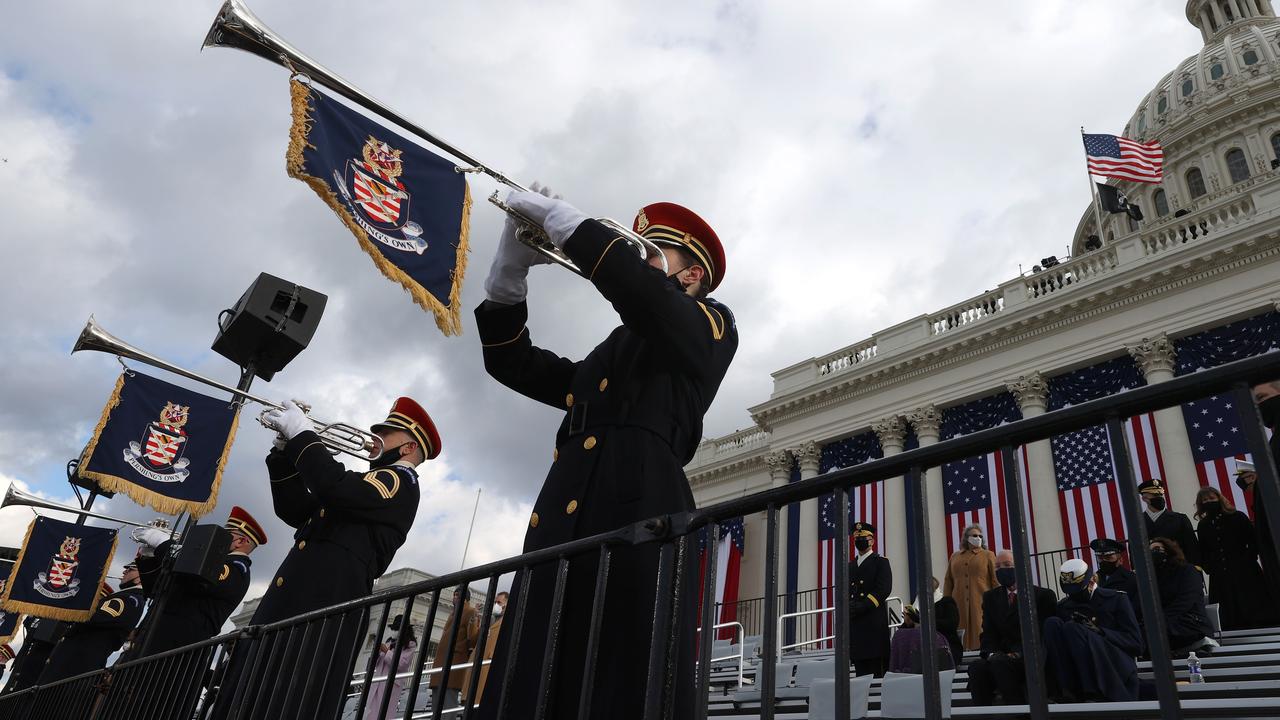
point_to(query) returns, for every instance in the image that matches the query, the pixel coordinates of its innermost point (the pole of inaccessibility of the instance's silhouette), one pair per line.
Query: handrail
(740, 634)
(822, 610)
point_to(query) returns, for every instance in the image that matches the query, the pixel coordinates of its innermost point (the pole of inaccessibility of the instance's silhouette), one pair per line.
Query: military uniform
(870, 582)
(29, 662)
(87, 645)
(633, 411)
(1169, 524)
(195, 609)
(1119, 579)
(1093, 664)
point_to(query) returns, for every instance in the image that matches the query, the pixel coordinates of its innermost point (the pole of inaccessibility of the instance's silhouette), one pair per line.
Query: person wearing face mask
(490, 644)
(1181, 589)
(1164, 522)
(632, 418)
(399, 634)
(1267, 397)
(1111, 575)
(88, 645)
(1229, 552)
(349, 526)
(998, 677)
(195, 608)
(1091, 641)
(870, 582)
(971, 571)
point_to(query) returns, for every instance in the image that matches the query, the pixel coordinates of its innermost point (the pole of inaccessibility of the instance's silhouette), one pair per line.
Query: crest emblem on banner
(162, 444)
(60, 580)
(374, 192)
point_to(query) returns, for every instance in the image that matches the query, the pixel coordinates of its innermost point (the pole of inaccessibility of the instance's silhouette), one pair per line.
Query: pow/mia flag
(162, 445)
(408, 208)
(59, 570)
(1114, 201)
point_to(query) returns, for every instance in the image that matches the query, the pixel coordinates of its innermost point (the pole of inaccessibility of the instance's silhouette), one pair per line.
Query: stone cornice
(1085, 303)
(1030, 390)
(741, 466)
(1155, 354)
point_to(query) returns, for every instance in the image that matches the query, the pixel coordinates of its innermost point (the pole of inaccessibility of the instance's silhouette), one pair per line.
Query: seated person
(1091, 642)
(904, 651)
(947, 615)
(999, 677)
(1181, 597)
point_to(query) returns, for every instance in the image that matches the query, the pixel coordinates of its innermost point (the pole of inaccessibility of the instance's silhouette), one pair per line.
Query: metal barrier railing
(895, 620)
(739, 656)
(299, 668)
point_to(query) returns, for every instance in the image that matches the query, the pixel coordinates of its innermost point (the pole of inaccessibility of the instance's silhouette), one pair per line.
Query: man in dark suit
(87, 645)
(1112, 575)
(633, 411)
(870, 582)
(1091, 643)
(1163, 522)
(196, 608)
(998, 676)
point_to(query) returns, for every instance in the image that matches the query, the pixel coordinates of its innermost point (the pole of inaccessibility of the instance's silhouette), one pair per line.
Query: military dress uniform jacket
(195, 608)
(633, 411)
(869, 586)
(29, 662)
(1124, 580)
(87, 645)
(1177, 527)
(1099, 665)
(349, 526)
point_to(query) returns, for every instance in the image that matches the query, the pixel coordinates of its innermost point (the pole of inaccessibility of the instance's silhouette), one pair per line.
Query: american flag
(1213, 423)
(866, 504)
(1082, 459)
(1125, 159)
(974, 488)
(732, 544)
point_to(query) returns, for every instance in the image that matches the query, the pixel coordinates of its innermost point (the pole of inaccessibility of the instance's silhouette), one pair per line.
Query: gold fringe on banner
(448, 319)
(44, 611)
(159, 502)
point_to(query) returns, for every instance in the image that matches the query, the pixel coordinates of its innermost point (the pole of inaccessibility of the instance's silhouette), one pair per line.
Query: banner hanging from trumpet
(162, 445)
(409, 209)
(59, 570)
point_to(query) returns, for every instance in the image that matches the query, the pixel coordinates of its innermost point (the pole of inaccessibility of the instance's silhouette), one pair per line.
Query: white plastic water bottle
(1194, 674)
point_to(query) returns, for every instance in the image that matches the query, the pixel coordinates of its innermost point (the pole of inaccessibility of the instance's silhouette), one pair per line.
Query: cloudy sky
(864, 163)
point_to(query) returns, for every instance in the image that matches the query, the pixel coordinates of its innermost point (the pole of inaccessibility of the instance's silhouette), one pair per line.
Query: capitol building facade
(1137, 302)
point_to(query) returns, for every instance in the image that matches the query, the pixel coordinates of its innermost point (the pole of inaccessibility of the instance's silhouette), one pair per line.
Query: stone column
(1157, 359)
(927, 420)
(807, 457)
(779, 463)
(1217, 15)
(1236, 7)
(891, 431)
(1031, 392)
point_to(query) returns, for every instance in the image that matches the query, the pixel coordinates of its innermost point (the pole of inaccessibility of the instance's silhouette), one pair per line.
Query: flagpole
(1093, 188)
(467, 546)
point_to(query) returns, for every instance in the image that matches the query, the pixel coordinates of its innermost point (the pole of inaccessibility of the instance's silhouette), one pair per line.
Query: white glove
(279, 441)
(149, 536)
(288, 422)
(556, 216)
(507, 281)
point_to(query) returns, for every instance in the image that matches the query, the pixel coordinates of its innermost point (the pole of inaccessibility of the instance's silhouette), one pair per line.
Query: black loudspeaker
(271, 323)
(46, 631)
(204, 552)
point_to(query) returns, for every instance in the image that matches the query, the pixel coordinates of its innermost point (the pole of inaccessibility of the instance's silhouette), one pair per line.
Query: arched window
(1216, 72)
(1275, 145)
(1162, 105)
(1188, 86)
(1237, 165)
(1161, 202)
(1195, 183)
(1250, 57)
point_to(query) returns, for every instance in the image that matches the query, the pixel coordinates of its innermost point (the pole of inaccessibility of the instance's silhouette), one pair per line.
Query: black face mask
(1213, 507)
(1007, 577)
(1076, 591)
(1159, 557)
(1106, 567)
(862, 544)
(1241, 483)
(388, 457)
(1156, 504)
(1270, 411)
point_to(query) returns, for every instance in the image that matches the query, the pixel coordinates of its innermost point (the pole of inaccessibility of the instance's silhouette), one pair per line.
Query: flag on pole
(1114, 201)
(729, 550)
(1124, 159)
(408, 208)
(59, 570)
(866, 503)
(162, 445)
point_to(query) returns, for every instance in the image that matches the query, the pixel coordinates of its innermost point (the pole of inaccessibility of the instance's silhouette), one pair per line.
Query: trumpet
(237, 27)
(338, 437)
(14, 496)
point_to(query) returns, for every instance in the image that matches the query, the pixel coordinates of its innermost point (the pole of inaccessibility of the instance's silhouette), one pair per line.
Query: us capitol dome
(1215, 115)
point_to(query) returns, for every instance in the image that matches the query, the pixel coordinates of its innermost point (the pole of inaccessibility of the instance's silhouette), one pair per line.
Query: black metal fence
(301, 668)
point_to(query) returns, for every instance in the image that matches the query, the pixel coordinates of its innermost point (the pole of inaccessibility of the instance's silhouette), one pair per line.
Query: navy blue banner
(162, 445)
(408, 208)
(59, 570)
(8, 618)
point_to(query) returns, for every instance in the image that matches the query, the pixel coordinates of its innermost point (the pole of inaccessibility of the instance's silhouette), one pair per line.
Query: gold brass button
(604, 383)
(555, 455)
(573, 505)
(533, 520)
(589, 443)
(321, 512)
(568, 400)
(302, 544)
(279, 581)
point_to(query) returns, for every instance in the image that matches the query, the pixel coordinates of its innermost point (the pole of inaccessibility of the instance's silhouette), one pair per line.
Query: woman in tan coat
(970, 572)
(468, 632)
